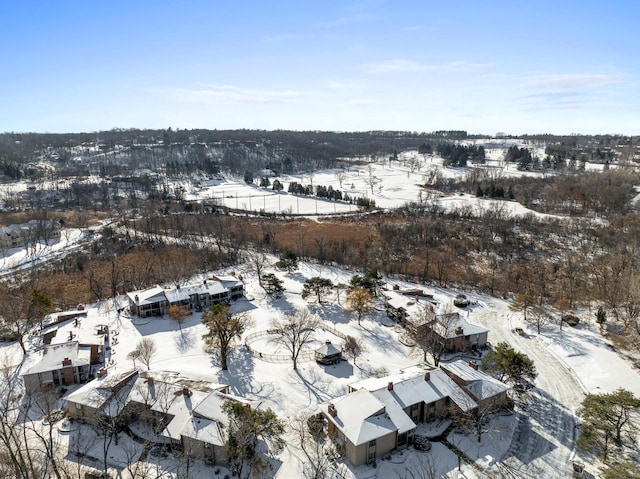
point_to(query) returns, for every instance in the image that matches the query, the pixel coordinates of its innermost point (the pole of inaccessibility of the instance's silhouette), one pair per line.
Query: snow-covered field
(389, 183)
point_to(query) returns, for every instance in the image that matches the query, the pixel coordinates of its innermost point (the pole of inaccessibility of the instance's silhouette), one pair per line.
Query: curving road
(544, 439)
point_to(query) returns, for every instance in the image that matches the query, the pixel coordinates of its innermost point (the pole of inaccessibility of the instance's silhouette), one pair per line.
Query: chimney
(185, 391)
(417, 298)
(473, 365)
(204, 282)
(328, 341)
(390, 386)
(396, 287)
(137, 299)
(459, 330)
(102, 372)
(332, 410)
(427, 376)
(66, 362)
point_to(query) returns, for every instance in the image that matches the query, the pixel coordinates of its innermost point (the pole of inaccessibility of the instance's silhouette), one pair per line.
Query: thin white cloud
(573, 80)
(409, 66)
(234, 94)
(361, 102)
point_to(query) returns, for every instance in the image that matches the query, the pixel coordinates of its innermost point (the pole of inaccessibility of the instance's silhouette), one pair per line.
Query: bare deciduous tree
(353, 347)
(145, 351)
(294, 331)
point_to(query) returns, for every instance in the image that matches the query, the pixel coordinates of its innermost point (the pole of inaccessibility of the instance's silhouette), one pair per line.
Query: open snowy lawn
(389, 183)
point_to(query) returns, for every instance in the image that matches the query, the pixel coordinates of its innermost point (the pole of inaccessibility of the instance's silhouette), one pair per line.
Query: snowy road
(544, 440)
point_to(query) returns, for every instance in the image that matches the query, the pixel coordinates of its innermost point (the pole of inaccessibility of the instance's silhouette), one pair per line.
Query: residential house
(183, 412)
(61, 364)
(72, 348)
(458, 334)
(484, 389)
(156, 301)
(381, 414)
(20, 235)
(409, 306)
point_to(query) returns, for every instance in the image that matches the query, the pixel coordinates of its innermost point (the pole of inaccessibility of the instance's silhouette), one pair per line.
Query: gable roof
(361, 417)
(98, 392)
(410, 387)
(480, 384)
(147, 296)
(447, 324)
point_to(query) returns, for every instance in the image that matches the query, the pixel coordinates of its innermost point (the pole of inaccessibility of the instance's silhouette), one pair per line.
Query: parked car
(519, 331)
(461, 301)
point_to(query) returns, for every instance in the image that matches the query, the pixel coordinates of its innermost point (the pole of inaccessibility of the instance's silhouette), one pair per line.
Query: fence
(306, 354)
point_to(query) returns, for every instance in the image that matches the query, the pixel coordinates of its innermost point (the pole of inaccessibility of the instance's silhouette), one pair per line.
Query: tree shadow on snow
(186, 340)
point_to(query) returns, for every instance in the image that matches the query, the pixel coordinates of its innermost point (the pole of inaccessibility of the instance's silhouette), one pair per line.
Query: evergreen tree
(605, 418)
(508, 365)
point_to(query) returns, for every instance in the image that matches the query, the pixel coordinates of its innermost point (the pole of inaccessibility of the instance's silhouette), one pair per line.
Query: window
(372, 443)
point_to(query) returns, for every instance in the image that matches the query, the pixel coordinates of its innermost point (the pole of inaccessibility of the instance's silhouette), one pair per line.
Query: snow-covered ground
(537, 440)
(389, 183)
(15, 259)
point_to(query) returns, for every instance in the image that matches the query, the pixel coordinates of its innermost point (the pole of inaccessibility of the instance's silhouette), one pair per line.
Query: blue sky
(559, 66)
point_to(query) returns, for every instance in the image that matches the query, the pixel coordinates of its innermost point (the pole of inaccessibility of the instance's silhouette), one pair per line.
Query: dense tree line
(459, 155)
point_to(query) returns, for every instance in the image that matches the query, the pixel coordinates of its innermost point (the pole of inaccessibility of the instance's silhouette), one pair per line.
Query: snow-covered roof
(411, 387)
(414, 305)
(361, 417)
(147, 296)
(446, 326)
(205, 430)
(96, 393)
(81, 326)
(53, 355)
(328, 349)
(395, 410)
(228, 281)
(214, 286)
(479, 383)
